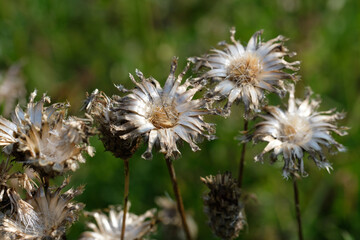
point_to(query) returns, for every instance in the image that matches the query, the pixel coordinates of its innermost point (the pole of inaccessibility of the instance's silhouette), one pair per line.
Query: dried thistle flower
(223, 206)
(164, 115)
(10, 183)
(44, 138)
(171, 220)
(5, 200)
(46, 214)
(245, 73)
(299, 129)
(109, 227)
(101, 108)
(12, 88)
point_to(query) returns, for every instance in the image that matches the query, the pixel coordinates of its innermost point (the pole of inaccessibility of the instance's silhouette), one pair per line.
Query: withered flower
(223, 206)
(244, 73)
(164, 115)
(101, 108)
(45, 215)
(5, 198)
(10, 183)
(299, 129)
(44, 138)
(109, 227)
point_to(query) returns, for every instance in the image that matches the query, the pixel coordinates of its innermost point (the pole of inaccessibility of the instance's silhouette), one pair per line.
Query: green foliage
(71, 47)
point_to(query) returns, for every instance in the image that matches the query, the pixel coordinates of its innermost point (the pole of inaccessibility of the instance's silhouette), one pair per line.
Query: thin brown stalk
(297, 208)
(242, 159)
(179, 201)
(46, 182)
(126, 196)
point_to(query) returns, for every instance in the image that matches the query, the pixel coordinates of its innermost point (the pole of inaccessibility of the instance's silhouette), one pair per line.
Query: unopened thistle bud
(223, 206)
(101, 108)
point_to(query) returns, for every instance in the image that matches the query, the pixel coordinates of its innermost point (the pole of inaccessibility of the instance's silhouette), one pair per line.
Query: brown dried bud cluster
(223, 206)
(101, 108)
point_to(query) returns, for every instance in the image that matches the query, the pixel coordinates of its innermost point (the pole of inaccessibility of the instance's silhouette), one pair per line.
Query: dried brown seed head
(223, 206)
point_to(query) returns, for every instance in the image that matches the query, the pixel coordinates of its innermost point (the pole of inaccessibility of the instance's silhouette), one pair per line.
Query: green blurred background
(71, 47)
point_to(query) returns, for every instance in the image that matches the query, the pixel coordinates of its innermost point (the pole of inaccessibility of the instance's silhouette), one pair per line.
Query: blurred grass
(71, 47)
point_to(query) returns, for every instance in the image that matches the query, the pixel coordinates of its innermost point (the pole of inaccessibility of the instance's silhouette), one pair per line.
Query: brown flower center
(297, 130)
(164, 117)
(245, 69)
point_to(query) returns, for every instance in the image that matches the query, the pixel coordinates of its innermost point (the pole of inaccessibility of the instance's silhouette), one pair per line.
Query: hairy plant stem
(242, 159)
(126, 196)
(297, 208)
(179, 201)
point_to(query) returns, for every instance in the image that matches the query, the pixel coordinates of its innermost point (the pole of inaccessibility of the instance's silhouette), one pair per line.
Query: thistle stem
(126, 196)
(179, 201)
(46, 182)
(242, 159)
(297, 208)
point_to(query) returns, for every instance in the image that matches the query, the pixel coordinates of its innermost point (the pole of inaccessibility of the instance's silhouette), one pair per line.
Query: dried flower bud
(223, 206)
(100, 107)
(170, 218)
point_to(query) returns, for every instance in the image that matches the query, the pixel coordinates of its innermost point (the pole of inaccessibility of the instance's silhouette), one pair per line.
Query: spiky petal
(47, 214)
(44, 138)
(245, 73)
(164, 115)
(109, 227)
(298, 130)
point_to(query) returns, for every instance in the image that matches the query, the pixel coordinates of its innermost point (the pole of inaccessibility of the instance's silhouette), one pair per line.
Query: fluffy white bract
(164, 115)
(44, 138)
(299, 129)
(245, 72)
(46, 215)
(109, 227)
